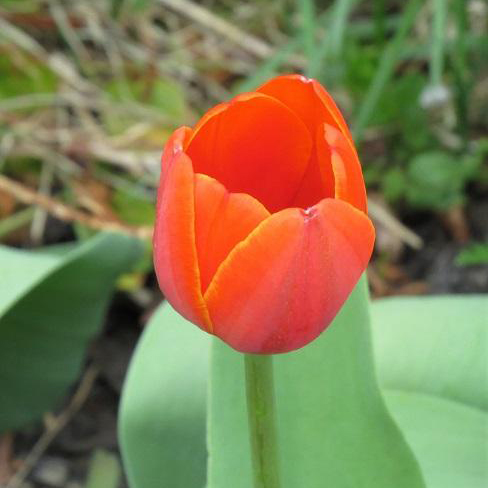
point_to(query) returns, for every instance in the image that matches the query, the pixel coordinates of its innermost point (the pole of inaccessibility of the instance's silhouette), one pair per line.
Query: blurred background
(90, 90)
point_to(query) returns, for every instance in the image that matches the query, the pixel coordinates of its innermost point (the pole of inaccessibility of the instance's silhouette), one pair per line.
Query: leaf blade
(162, 413)
(46, 323)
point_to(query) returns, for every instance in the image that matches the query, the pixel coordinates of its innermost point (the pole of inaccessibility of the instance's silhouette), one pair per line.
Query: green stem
(461, 70)
(262, 423)
(437, 42)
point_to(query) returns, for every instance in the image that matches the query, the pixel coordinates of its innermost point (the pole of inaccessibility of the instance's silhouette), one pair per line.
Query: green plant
(52, 303)
(473, 255)
(430, 369)
(436, 180)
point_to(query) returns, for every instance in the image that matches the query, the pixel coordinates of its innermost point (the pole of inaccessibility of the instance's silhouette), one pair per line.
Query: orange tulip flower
(261, 229)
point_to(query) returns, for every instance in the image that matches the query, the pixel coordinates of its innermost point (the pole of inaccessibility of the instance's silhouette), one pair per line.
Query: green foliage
(436, 180)
(24, 78)
(136, 210)
(399, 109)
(448, 438)
(432, 180)
(160, 93)
(431, 361)
(269, 68)
(52, 303)
(308, 27)
(393, 183)
(332, 422)
(161, 96)
(385, 69)
(162, 412)
(162, 418)
(133, 209)
(473, 255)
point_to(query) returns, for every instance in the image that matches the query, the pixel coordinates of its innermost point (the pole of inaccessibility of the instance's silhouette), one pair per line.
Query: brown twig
(381, 214)
(39, 20)
(6, 444)
(211, 21)
(65, 26)
(68, 213)
(55, 428)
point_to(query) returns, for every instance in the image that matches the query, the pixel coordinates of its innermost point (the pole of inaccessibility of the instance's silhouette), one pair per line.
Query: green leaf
(432, 369)
(162, 412)
(435, 180)
(329, 50)
(431, 358)
(332, 422)
(473, 255)
(133, 209)
(448, 438)
(434, 345)
(51, 304)
(438, 41)
(308, 19)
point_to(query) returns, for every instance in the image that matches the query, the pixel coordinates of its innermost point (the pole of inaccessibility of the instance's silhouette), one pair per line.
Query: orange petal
(215, 111)
(311, 102)
(175, 254)
(308, 99)
(173, 146)
(282, 286)
(318, 182)
(222, 220)
(328, 101)
(348, 176)
(255, 145)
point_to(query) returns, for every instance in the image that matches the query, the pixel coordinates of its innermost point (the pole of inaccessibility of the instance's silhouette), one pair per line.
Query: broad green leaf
(51, 304)
(20, 272)
(434, 345)
(431, 356)
(333, 426)
(448, 438)
(163, 407)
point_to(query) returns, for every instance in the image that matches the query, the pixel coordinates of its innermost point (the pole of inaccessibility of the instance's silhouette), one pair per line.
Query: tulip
(261, 229)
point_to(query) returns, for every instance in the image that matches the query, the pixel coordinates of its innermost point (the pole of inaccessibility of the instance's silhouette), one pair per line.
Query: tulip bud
(261, 229)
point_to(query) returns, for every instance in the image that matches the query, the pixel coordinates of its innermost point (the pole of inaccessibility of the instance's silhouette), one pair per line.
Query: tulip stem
(262, 422)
